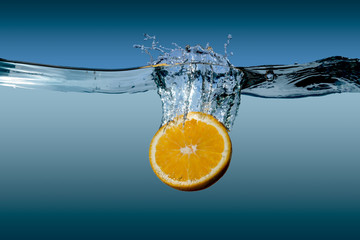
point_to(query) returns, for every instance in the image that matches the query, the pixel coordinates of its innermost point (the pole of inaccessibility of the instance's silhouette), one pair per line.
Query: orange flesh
(189, 151)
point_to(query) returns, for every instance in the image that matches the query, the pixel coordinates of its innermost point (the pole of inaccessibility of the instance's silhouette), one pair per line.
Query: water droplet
(270, 76)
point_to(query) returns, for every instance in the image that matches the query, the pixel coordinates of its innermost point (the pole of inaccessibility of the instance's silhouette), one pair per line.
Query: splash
(188, 54)
(195, 79)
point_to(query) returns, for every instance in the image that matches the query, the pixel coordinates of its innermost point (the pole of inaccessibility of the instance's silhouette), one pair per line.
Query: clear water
(322, 77)
(188, 54)
(212, 89)
(193, 79)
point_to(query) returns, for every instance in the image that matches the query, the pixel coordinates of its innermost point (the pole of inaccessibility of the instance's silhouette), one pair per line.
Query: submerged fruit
(190, 153)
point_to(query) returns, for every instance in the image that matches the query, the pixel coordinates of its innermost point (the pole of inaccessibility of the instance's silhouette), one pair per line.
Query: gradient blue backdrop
(75, 166)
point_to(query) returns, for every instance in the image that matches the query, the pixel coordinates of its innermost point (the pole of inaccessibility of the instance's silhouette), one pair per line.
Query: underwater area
(79, 161)
(70, 166)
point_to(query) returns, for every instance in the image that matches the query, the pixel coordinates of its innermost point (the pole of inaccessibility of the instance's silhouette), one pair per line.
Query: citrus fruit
(190, 153)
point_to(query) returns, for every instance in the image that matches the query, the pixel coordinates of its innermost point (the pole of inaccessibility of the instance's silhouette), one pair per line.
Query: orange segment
(190, 154)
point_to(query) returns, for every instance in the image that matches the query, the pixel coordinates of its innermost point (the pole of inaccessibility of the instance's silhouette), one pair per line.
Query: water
(326, 76)
(193, 79)
(79, 162)
(188, 54)
(212, 89)
(67, 79)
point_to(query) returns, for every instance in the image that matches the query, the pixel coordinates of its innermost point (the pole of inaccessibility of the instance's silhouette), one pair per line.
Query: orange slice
(191, 154)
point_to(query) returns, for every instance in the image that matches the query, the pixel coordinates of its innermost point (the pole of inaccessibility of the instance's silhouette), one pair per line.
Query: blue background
(76, 165)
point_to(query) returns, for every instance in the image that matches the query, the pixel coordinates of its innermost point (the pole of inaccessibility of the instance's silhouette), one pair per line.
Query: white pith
(189, 149)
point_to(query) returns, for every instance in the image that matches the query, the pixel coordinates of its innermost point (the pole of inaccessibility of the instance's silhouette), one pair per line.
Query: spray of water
(183, 55)
(195, 78)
